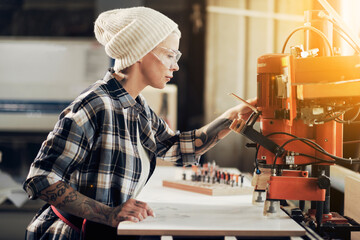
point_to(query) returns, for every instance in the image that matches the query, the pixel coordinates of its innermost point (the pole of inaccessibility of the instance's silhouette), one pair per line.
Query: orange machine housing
(293, 93)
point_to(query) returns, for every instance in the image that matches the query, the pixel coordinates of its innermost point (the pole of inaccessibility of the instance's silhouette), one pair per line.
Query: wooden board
(211, 220)
(351, 201)
(208, 188)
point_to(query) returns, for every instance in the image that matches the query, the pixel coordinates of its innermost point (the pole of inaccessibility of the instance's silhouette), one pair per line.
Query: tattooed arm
(64, 197)
(207, 136)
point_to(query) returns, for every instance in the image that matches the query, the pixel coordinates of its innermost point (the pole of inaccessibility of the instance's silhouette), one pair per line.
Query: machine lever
(249, 132)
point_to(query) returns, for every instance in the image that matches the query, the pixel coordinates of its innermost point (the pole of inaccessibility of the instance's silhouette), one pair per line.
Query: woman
(104, 147)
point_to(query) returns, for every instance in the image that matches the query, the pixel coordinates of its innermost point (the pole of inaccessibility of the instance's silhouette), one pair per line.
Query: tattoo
(97, 211)
(64, 197)
(121, 218)
(210, 135)
(139, 204)
(71, 197)
(114, 215)
(52, 195)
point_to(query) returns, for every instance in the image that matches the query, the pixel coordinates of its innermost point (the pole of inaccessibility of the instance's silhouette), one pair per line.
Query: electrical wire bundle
(310, 143)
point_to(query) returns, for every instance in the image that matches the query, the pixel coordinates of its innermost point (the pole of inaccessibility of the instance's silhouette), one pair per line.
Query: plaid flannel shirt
(93, 147)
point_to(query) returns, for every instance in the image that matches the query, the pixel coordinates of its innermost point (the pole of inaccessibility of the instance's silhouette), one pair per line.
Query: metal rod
(339, 21)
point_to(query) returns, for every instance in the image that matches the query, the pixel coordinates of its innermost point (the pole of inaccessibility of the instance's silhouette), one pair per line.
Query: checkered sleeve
(177, 146)
(65, 147)
(187, 148)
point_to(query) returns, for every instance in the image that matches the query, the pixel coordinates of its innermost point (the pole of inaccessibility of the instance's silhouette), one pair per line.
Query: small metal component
(271, 208)
(289, 159)
(273, 172)
(317, 111)
(258, 197)
(281, 81)
(184, 176)
(310, 53)
(296, 50)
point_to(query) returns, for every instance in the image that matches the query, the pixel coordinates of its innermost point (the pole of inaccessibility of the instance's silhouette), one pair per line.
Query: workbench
(183, 213)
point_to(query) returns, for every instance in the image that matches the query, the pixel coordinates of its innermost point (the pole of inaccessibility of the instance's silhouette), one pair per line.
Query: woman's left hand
(245, 111)
(242, 111)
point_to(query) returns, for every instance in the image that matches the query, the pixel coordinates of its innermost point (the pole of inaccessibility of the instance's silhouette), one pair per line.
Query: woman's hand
(241, 111)
(64, 197)
(245, 111)
(132, 210)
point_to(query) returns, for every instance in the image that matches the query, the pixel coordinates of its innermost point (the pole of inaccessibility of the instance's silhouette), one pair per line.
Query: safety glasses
(167, 56)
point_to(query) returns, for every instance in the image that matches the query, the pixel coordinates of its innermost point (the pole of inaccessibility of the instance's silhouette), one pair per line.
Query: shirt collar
(116, 90)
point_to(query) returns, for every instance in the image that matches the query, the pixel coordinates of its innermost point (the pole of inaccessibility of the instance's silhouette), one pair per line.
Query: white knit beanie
(129, 34)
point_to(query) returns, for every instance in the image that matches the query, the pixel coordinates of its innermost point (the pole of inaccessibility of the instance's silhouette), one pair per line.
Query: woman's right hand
(132, 210)
(64, 197)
